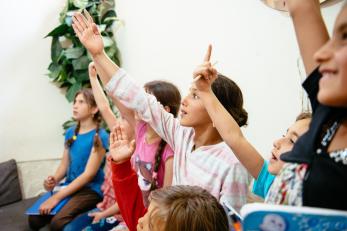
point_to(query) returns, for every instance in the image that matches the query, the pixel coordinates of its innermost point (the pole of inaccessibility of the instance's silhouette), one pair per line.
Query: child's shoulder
(103, 132)
(70, 131)
(224, 153)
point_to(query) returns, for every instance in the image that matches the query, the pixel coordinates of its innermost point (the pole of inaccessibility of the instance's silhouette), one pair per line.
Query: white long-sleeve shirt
(213, 167)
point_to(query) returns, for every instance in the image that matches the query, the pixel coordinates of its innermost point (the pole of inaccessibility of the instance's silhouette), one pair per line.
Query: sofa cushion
(9, 183)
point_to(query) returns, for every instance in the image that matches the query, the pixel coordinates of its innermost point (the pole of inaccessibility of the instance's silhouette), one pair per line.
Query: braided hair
(169, 96)
(89, 98)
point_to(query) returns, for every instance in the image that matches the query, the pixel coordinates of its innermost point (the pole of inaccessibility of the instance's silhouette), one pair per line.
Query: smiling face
(332, 58)
(286, 144)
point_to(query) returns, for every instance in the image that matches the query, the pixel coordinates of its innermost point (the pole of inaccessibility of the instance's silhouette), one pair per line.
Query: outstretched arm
(128, 193)
(89, 35)
(100, 98)
(125, 112)
(223, 121)
(311, 32)
(122, 87)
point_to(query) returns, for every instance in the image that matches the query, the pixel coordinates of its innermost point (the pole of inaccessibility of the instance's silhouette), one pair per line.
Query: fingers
(208, 53)
(76, 27)
(132, 146)
(95, 29)
(88, 17)
(118, 132)
(92, 69)
(82, 21)
(113, 136)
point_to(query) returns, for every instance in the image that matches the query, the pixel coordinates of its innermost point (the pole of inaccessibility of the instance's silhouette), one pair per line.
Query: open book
(267, 217)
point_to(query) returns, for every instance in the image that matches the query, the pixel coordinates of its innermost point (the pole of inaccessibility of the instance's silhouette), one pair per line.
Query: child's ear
(167, 108)
(95, 110)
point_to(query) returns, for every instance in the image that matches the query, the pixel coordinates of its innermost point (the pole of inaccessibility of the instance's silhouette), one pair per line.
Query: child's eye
(344, 35)
(195, 96)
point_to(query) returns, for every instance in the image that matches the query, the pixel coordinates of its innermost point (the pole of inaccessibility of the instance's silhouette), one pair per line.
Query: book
(234, 218)
(35, 208)
(267, 217)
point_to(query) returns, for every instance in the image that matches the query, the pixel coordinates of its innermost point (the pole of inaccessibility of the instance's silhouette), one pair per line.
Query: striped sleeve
(122, 87)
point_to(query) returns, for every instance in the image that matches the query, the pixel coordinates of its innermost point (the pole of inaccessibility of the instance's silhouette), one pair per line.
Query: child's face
(147, 223)
(193, 112)
(81, 109)
(332, 58)
(286, 144)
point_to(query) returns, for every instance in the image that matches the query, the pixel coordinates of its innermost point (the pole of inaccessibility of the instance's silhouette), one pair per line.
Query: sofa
(12, 205)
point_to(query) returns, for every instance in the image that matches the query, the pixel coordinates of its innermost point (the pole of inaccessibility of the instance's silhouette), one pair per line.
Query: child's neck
(150, 135)
(87, 125)
(206, 135)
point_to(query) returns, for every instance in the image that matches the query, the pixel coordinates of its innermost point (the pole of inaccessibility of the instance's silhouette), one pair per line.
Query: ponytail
(158, 159)
(70, 141)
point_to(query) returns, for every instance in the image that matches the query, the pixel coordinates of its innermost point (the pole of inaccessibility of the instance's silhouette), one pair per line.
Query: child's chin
(273, 170)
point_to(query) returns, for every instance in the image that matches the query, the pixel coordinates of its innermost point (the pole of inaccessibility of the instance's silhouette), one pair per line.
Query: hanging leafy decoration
(69, 66)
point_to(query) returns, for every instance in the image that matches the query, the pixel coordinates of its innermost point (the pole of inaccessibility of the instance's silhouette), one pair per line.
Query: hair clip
(74, 137)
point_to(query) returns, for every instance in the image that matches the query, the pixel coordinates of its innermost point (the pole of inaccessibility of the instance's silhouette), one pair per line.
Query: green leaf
(70, 94)
(82, 76)
(56, 49)
(81, 63)
(54, 70)
(108, 15)
(107, 41)
(74, 53)
(80, 3)
(58, 31)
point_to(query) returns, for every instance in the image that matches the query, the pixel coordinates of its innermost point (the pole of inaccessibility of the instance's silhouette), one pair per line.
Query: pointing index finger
(208, 53)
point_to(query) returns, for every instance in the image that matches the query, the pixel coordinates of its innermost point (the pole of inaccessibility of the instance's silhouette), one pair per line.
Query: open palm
(121, 148)
(88, 33)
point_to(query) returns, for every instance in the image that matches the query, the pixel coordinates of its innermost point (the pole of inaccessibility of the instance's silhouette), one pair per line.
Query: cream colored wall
(253, 44)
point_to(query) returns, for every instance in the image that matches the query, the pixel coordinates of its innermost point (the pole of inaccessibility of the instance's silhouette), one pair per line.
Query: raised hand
(49, 183)
(88, 33)
(121, 148)
(92, 70)
(205, 74)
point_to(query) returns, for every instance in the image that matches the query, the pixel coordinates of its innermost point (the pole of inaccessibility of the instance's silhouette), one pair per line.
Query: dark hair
(188, 208)
(230, 96)
(169, 96)
(304, 115)
(89, 98)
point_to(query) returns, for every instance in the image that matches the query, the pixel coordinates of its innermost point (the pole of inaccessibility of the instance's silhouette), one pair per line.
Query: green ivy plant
(70, 60)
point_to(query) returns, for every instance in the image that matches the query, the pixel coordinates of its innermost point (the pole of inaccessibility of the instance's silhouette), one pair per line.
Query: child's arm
(90, 37)
(100, 98)
(168, 172)
(93, 164)
(128, 193)
(111, 211)
(223, 121)
(311, 32)
(121, 86)
(125, 112)
(60, 173)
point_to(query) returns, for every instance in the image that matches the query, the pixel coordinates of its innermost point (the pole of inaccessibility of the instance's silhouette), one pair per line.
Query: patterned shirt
(213, 167)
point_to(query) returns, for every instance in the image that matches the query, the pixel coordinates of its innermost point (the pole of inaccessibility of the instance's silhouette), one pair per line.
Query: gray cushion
(9, 183)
